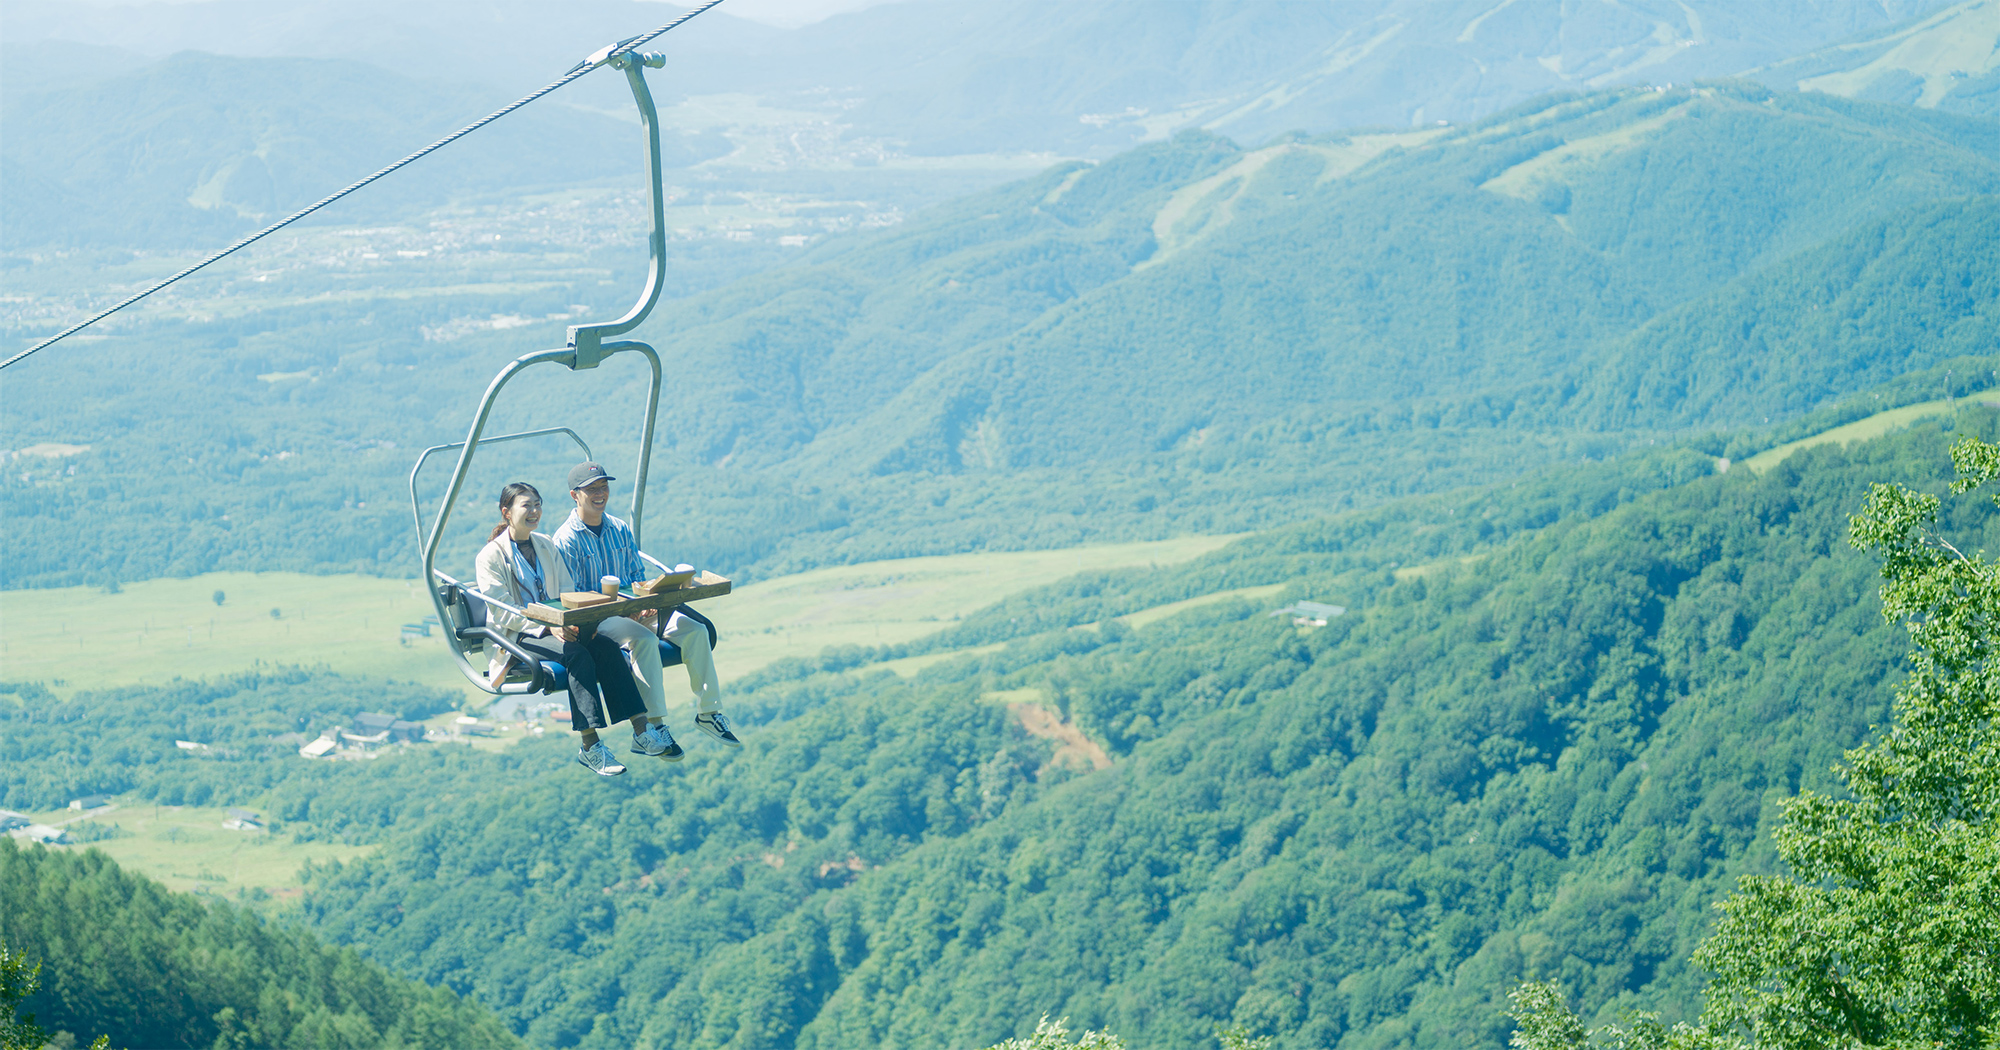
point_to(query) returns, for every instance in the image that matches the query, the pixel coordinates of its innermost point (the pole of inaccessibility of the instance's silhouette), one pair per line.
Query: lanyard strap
(529, 571)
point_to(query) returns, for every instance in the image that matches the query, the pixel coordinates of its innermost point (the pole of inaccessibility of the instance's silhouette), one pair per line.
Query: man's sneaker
(597, 758)
(716, 724)
(658, 743)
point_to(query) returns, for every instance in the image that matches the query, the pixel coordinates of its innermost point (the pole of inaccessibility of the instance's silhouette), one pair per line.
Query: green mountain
(123, 957)
(1120, 72)
(1188, 337)
(1198, 288)
(1915, 289)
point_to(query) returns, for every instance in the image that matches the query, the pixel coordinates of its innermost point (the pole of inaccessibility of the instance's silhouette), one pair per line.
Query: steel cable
(624, 47)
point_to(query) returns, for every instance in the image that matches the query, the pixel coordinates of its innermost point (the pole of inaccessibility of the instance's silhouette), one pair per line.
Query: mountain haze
(1088, 78)
(197, 148)
(1484, 324)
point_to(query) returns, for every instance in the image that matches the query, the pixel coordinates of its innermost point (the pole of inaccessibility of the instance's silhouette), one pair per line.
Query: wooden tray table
(704, 585)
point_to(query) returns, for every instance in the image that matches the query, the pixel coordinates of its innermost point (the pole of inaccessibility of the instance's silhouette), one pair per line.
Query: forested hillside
(1032, 325)
(1490, 388)
(122, 957)
(1527, 752)
(1548, 732)
(1544, 759)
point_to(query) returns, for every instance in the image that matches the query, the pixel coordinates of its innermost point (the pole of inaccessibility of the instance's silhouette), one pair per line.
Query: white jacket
(494, 573)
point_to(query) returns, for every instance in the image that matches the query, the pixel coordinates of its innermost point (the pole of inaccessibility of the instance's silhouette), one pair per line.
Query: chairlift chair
(461, 609)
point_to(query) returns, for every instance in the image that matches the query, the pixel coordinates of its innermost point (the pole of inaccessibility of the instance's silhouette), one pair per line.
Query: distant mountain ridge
(1046, 325)
(196, 148)
(1077, 78)
(1948, 59)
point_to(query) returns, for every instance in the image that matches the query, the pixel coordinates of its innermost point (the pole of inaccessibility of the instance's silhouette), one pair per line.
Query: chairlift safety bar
(416, 505)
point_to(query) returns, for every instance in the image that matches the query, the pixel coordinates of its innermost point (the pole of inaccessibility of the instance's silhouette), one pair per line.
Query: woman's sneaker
(597, 758)
(656, 742)
(716, 724)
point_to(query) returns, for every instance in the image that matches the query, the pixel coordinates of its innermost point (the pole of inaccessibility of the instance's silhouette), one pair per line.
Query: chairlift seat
(468, 613)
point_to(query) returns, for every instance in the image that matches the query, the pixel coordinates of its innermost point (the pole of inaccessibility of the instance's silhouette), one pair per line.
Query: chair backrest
(475, 607)
(467, 610)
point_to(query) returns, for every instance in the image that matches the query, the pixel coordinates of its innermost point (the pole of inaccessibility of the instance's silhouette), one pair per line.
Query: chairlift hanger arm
(587, 339)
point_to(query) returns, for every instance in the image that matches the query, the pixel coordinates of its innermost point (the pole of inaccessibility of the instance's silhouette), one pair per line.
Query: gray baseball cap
(583, 475)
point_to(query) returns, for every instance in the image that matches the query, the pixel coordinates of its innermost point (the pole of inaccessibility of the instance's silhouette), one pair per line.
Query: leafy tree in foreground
(1054, 1035)
(1887, 932)
(18, 980)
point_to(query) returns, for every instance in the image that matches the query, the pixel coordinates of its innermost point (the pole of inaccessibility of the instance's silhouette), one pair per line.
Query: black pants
(593, 662)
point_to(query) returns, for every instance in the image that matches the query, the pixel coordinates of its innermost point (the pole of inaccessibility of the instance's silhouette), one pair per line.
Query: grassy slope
(1874, 426)
(186, 848)
(352, 624)
(1943, 59)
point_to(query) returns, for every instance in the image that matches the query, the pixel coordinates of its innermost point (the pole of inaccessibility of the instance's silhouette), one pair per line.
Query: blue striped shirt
(591, 556)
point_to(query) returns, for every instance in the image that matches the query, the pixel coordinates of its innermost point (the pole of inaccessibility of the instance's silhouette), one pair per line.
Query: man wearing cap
(593, 545)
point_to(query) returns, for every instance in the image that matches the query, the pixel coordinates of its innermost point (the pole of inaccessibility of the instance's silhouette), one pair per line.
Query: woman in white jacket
(520, 566)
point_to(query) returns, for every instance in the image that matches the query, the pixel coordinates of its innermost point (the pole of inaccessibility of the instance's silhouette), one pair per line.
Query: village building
(1310, 614)
(42, 833)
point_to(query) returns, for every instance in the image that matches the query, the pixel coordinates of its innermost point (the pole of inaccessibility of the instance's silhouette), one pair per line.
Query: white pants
(644, 650)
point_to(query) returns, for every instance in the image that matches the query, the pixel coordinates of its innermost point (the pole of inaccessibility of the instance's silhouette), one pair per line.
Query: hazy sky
(793, 12)
(772, 12)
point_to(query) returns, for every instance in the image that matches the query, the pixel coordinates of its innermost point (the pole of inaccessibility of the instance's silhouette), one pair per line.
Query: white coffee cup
(609, 585)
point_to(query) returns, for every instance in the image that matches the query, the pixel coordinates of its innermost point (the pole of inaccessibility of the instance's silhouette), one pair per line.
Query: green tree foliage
(1054, 1035)
(119, 953)
(1545, 1022)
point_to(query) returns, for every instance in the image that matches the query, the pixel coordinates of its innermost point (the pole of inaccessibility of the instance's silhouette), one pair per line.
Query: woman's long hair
(507, 497)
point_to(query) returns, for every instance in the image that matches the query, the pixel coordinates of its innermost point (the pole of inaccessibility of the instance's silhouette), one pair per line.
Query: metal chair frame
(587, 348)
